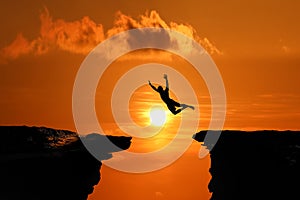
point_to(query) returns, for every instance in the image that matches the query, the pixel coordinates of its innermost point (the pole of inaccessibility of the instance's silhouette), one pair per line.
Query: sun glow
(157, 115)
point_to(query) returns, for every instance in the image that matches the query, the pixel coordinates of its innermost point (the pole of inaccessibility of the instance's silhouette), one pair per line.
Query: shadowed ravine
(254, 165)
(40, 163)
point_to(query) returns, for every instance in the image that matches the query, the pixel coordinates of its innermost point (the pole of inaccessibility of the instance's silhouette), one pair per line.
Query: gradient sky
(258, 41)
(255, 45)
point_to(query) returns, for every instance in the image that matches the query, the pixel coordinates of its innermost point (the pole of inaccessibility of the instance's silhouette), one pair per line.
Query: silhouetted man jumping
(173, 106)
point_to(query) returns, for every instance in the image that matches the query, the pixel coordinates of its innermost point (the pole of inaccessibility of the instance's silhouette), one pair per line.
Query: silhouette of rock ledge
(41, 163)
(254, 165)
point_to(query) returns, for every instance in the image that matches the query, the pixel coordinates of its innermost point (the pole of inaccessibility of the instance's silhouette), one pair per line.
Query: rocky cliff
(254, 165)
(41, 163)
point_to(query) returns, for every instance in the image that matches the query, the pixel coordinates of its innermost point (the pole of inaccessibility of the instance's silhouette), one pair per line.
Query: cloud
(83, 35)
(18, 47)
(152, 19)
(77, 37)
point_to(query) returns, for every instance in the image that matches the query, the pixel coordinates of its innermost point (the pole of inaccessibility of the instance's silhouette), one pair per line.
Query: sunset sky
(255, 45)
(258, 42)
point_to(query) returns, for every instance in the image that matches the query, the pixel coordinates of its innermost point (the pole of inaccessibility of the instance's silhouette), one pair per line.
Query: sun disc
(157, 116)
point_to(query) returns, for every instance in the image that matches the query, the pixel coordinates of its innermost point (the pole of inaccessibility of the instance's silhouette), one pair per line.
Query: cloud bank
(81, 36)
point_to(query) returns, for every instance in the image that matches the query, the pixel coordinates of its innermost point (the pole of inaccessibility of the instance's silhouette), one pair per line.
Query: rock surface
(254, 165)
(39, 163)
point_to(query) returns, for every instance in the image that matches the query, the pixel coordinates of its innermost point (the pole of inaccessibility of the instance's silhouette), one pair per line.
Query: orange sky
(259, 61)
(255, 45)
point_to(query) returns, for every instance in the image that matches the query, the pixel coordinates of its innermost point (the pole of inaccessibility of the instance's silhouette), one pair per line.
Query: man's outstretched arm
(167, 82)
(154, 88)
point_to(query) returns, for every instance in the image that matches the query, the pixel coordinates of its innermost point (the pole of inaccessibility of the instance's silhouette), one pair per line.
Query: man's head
(160, 89)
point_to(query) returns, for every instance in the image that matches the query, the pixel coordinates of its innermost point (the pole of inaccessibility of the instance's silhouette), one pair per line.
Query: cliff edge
(42, 163)
(254, 165)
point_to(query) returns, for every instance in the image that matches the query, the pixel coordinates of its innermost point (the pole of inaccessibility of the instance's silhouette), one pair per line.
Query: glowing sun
(157, 116)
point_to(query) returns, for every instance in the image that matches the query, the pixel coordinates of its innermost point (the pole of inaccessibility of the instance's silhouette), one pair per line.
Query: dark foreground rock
(40, 163)
(254, 165)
